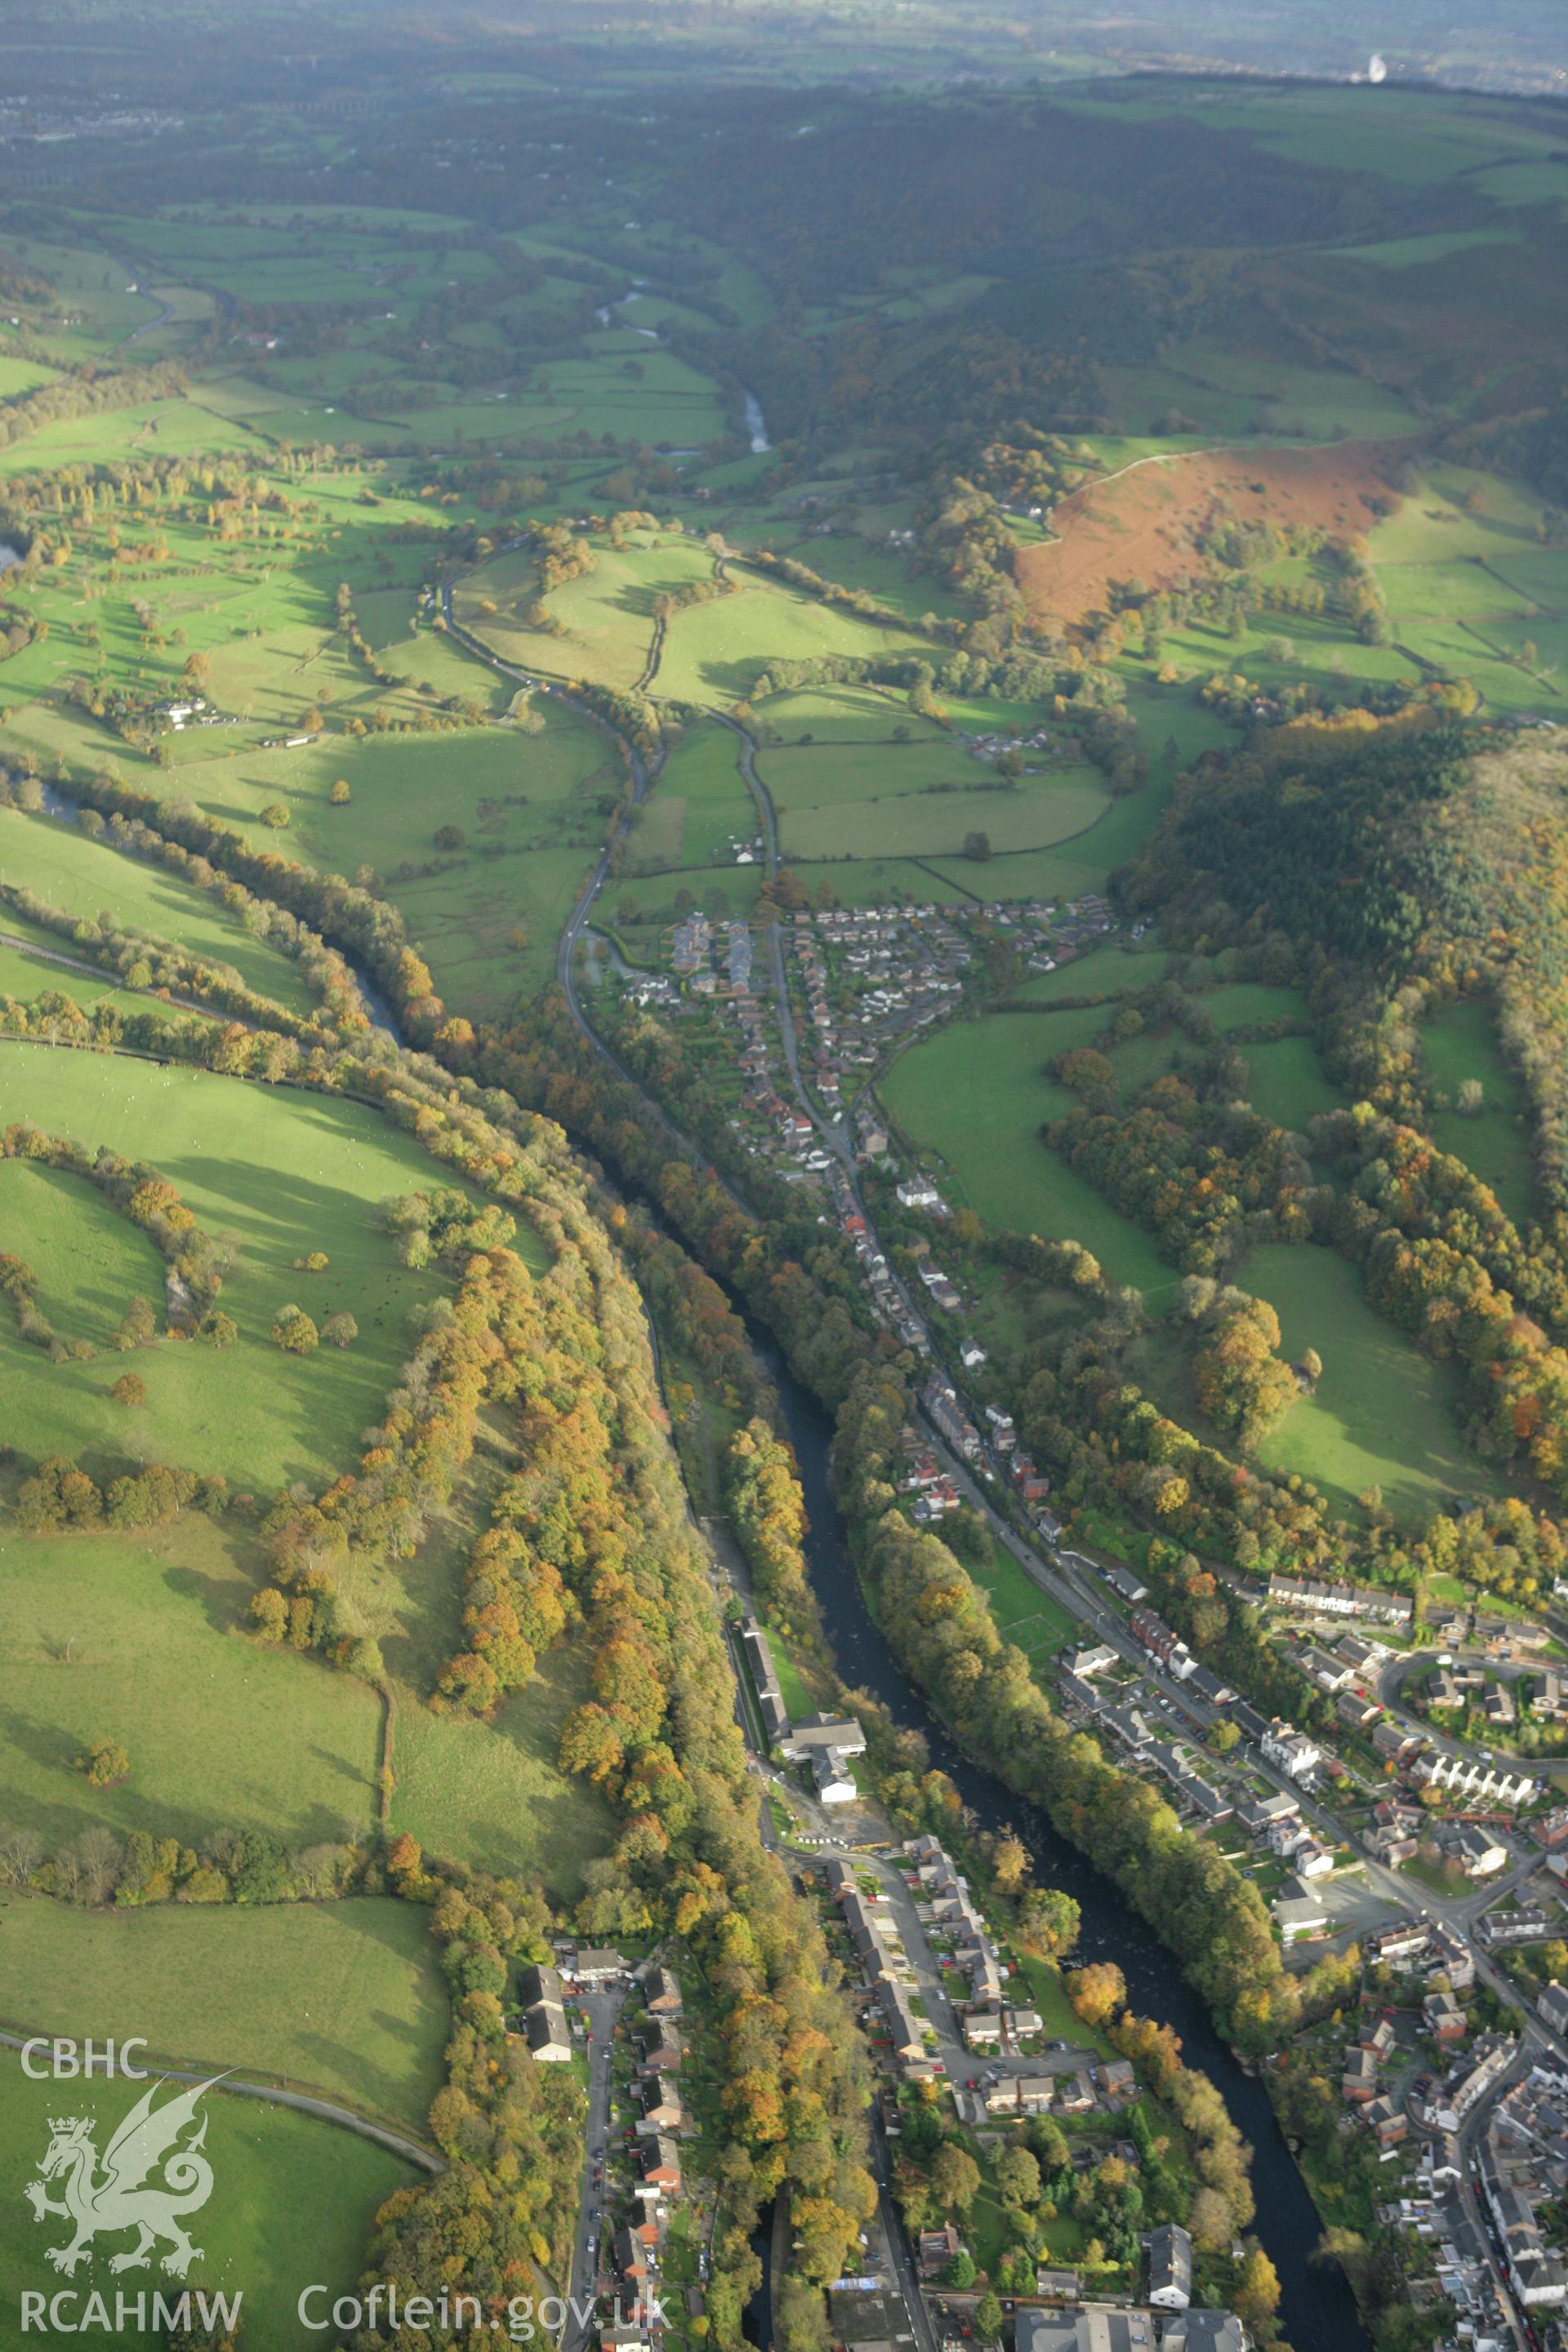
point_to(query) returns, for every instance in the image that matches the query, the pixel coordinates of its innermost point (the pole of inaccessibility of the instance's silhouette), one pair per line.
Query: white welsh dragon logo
(124, 2198)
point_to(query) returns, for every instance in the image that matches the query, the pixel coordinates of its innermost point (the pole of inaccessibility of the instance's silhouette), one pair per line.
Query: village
(860, 982)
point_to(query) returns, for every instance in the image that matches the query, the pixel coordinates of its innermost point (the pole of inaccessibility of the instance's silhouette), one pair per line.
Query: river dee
(1316, 2309)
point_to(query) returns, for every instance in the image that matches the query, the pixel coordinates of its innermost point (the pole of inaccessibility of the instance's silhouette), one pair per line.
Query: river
(1316, 2309)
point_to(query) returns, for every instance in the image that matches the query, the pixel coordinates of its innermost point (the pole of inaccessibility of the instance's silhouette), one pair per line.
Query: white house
(1290, 1751)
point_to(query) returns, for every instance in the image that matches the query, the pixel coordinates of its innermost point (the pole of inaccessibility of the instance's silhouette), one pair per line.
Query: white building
(1290, 1751)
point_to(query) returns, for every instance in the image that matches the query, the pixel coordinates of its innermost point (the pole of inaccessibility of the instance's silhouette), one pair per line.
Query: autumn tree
(138, 1326)
(954, 2178)
(294, 1332)
(105, 1762)
(1097, 1991)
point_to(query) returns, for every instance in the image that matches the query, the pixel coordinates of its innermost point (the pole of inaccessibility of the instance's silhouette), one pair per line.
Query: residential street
(603, 2012)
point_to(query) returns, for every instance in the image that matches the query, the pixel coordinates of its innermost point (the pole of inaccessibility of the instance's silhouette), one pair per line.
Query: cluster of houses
(713, 958)
(1518, 1641)
(873, 1932)
(932, 1491)
(942, 1406)
(940, 1288)
(935, 1878)
(824, 1744)
(1460, 1777)
(544, 2015)
(871, 975)
(888, 1303)
(1360, 2071)
(1470, 1779)
(1371, 1604)
(1457, 1687)
(1453, 2265)
(1522, 2164)
(656, 2180)
(1051, 932)
(1080, 2086)
(1440, 2102)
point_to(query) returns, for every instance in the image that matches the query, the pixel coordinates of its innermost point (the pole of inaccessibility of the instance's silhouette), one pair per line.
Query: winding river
(1316, 2309)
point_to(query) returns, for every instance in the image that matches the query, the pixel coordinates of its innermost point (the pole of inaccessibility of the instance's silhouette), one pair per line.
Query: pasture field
(162, 427)
(647, 901)
(975, 1095)
(1114, 970)
(530, 808)
(1383, 1414)
(716, 653)
(1244, 1005)
(491, 1794)
(855, 559)
(145, 1640)
(88, 879)
(605, 618)
(848, 715)
(1462, 1043)
(343, 1999)
(700, 807)
(141, 1639)
(920, 800)
(26, 976)
(292, 2204)
(1287, 1082)
(286, 1173)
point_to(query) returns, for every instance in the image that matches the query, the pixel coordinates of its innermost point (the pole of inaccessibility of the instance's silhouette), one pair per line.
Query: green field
(144, 1640)
(491, 1793)
(285, 1173)
(88, 879)
(606, 618)
(139, 1639)
(975, 1095)
(1382, 1416)
(529, 807)
(1462, 1043)
(702, 807)
(715, 653)
(919, 800)
(339, 1997)
(1287, 1082)
(292, 2206)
